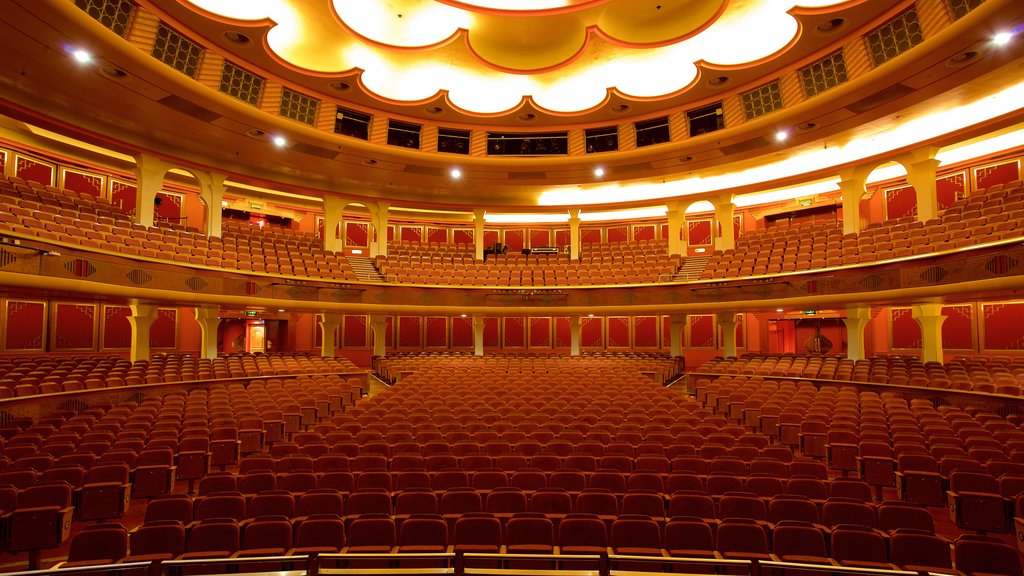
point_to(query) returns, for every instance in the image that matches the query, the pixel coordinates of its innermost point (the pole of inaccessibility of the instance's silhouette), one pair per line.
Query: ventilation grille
(176, 51)
(824, 74)
(895, 37)
(298, 107)
(114, 14)
(961, 8)
(763, 100)
(241, 84)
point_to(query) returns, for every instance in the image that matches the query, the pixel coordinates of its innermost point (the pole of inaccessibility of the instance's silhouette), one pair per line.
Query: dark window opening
(453, 141)
(352, 123)
(602, 139)
(506, 144)
(706, 119)
(650, 132)
(403, 134)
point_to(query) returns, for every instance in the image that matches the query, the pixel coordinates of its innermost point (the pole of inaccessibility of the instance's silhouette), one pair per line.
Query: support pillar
(677, 323)
(574, 234)
(575, 329)
(478, 239)
(929, 317)
(725, 210)
(676, 220)
(209, 319)
(728, 323)
(211, 190)
(852, 190)
(149, 178)
(921, 175)
(379, 325)
(141, 320)
(332, 220)
(379, 230)
(329, 322)
(856, 320)
(10, 165)
(478, 335)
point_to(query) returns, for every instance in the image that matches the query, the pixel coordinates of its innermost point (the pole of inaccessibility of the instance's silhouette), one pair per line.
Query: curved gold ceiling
(489, 56)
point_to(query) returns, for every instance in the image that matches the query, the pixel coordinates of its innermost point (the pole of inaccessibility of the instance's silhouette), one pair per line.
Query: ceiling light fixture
(781, 135)
(280, 141)
(1002, 39)
(599, 172)
(779, 310)
(81, 56)
(456, 173)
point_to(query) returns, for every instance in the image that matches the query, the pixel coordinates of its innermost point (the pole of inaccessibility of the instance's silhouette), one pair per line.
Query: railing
(609, 564)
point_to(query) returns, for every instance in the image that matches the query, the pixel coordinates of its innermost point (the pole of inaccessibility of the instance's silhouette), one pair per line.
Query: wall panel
(116, 330)
(618, 332)
(410, 332)
(949, 188)
(354, 332)
(1001, 173)
(439, 235)
(900, 202)
(701, 330)
(645, 332)
(514, 333)
(492, 333)
(436, 332)
(462, 332)
(592, 332)
(462, 236)
(164, 332)
(563, 333)
(74, 327)
(1003, 327)
(698, 233)
(540, 332)
(83, 182)
(122, 195)
(34, 170)
(357, 234)
(905, 331)
(24, 325)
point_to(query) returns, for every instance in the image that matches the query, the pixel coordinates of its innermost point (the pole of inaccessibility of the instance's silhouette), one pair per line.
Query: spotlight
(280, 141)
(599, 172)
(590, 315)
(781, 135)
(1002, 39)
(456, 173)
(81, 56)
(280, 309)
(463, 315)
(779, 310)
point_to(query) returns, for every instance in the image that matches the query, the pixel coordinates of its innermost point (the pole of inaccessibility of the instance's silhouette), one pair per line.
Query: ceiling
(644, 58)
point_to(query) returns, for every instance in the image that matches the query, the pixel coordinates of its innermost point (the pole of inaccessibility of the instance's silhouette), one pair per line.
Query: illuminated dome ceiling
(557, 59)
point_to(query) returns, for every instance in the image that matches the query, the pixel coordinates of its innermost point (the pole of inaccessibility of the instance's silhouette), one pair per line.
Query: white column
(921, 175)
(211, 189)
(141, 321)
(724, 212)
(856, 320)
(853, 190)
(478, 335)
(478, 236)
(676, 221)
(379, 223)
(332, 220)
(575, 328)
(929, 317)
(728, 323)
(149, 178)
(209, 319)
(574, 234)
(329, 322)
(379, 325)
(677, 323)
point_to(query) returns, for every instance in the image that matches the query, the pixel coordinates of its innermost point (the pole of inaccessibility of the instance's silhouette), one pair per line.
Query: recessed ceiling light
(591, 315)
(1002, 39)
(224, 203)
(781, 136)
(463, 315)
(779, 310)
(598, 171)
(456, 173)
(280, 309)
(81, 56)
(280, 141)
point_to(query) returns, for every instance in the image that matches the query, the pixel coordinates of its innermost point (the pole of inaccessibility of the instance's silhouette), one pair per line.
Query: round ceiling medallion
(620, 108)
(340, 86)
(236, 37)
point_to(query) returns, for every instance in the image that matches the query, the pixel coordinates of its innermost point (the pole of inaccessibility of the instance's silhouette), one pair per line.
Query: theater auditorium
(511, 287)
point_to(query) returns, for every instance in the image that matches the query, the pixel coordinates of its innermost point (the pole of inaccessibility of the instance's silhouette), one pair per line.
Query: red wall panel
(591, 332)
(1004, 329)
(515, 332)
(462, 236)
(117, 332)
(4, 155)
(439, 235)
(644, 232)
(24, 325)
(164, 332)
(391, 234)
(958, 328)
(590, 235)
(171, 207)
(84, 183)
(900, 202)
(490, 237)
(357, 234)
(618, 233)
(515, 240)
(462, 332)
(562, 238)
(74, 326)
(412, 233)
(645, 332)
(122, 194)
(741, 336)
(698, 233)
(389, 331)
(906, 332)
(354, 333)
(702, 329)
(34, 170)
(988, 176)
(491, 333)
(540, 332)
(409, 332)
(436, 333)
(618, 332)
(563, 333)
(666, 332)
(948, 188)
(540, 238)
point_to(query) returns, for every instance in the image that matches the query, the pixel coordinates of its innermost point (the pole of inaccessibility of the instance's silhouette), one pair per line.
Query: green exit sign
(810, 312)
(252, 313)
(255, 206)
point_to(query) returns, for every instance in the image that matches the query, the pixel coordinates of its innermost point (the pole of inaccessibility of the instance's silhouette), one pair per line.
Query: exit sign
(252, 313)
